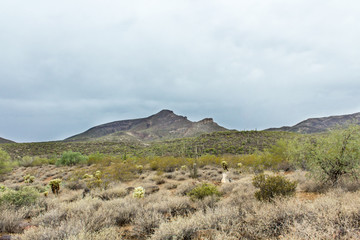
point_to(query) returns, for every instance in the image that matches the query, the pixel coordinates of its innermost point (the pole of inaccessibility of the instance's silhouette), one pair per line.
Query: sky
(66, 66)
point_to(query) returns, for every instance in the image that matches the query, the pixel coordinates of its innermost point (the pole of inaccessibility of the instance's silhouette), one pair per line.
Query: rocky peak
(206, 121)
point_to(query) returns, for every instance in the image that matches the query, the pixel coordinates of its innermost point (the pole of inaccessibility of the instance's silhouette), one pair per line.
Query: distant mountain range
(166, 125)
(3, 140)
(161, 126)
(316, 125)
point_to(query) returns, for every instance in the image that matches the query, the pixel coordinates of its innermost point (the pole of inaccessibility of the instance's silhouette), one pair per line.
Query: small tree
(71, 158)
(335, 154)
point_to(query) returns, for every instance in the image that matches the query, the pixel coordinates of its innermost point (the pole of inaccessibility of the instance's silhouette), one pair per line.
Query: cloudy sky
(68, 65)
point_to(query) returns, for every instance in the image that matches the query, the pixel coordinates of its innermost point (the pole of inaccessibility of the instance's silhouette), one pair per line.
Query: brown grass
(166, 211)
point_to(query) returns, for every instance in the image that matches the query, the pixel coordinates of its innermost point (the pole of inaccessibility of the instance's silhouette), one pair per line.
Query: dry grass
(167, 212)
(11, 219)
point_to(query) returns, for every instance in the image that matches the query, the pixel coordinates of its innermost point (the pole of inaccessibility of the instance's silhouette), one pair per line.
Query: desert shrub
(158, 180)
(116, 169)
(273, 186)
(10, 218)
(105, 233)
(95, 158)
(166, 164)
(26, 161)
(170, 186)
(113, 193)
(23, 197)
(75, 184)
(39, 161)
(5, 164)
(190, 227)
(146, 221)
(71, 158)
(203, 190)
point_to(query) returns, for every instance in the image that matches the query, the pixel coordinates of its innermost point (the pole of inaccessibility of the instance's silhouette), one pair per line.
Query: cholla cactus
(225, 165)
(93, 180)
(139, 168)
(98, 174)
(183, 168)
(29, 179)
(139, 192)
(87, 176)
(239, 167)
(55, 185)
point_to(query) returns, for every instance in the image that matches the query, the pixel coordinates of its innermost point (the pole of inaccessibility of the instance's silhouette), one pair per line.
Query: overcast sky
(68, 65)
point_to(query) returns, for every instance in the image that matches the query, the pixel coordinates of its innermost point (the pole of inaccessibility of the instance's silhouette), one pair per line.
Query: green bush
(5, 164)
(330, 156)
(273, 186)
(71, 158)
(24, 197)
(26, 161)
(95, 158)
(204, 190)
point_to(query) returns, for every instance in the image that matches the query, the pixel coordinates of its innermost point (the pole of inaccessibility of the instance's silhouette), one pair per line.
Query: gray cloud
(69, 65)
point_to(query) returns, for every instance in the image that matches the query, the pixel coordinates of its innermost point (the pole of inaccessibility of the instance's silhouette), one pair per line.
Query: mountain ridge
(321, 124)
(162, 125)
(3, 140)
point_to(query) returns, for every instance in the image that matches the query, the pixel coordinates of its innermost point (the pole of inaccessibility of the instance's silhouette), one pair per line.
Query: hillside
(3, 140)
(315, 125)
(217, 143)
(161, 126)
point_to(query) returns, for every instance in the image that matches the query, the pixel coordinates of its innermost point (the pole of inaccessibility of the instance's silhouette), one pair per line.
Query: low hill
(316, 125)
(3, 140)
(217, 143)
(161, 126)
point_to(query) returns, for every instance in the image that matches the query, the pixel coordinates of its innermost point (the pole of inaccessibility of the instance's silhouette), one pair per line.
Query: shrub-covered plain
(181, 194)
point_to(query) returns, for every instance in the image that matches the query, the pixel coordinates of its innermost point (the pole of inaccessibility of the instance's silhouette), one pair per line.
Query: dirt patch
(307, 196)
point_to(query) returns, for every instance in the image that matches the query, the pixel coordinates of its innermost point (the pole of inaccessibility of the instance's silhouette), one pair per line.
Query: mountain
(161, 126)
(315, 125)
(3, 140)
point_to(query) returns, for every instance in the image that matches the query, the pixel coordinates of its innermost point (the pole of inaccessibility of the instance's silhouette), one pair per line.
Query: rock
(24, 225)
(151, 189)
(7, 237)
(129, 189)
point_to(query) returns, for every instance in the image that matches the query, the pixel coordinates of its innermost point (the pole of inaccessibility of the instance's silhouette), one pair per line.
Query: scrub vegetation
(279, 186)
